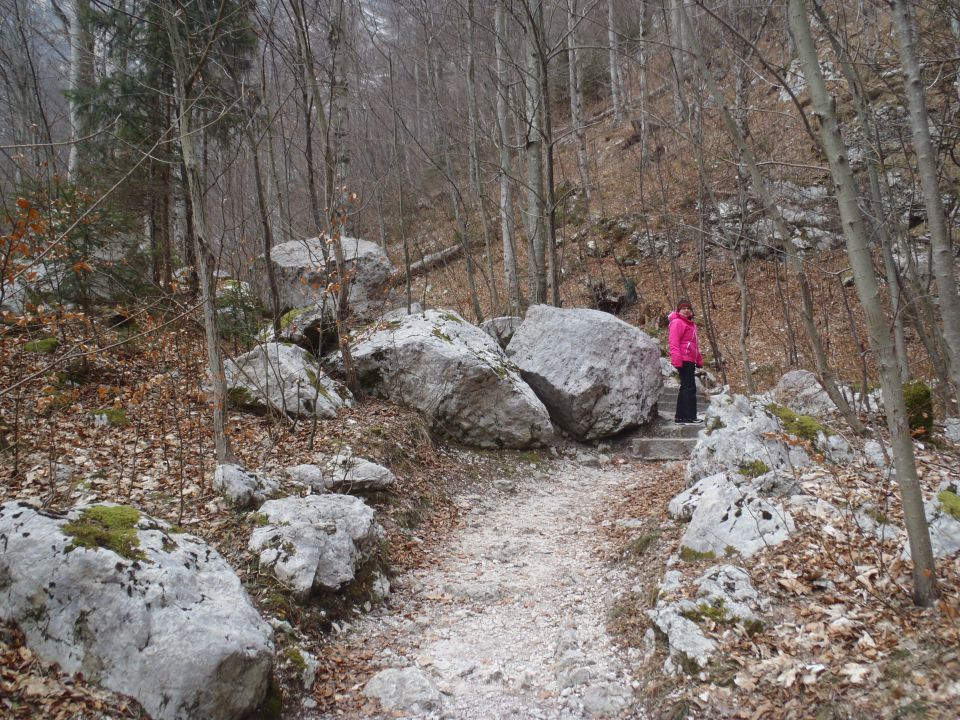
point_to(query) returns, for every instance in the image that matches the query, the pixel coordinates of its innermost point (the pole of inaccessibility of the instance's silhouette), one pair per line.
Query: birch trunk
(924, 571)
(80, 76)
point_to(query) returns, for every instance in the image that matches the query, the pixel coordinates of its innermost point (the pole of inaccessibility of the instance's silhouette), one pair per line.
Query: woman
(686, 358)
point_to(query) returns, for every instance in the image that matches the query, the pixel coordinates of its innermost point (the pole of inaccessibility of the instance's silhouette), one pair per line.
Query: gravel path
(510, 621)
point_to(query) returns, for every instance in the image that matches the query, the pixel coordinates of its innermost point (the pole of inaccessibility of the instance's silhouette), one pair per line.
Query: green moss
(290, 316)
(110, 527)
(688, 554)
(296, 658)
(715, 424)
(919, 402)
(801, 426)
(259, 519)
(706, 611)
(113, 416)
(239, 397)
(451, 317)
(438, 333)
(753, 469)
(46, 346)
(753, 627)
(950, 502)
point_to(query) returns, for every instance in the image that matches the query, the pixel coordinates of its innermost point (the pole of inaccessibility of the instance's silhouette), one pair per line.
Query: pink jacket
(683, 341)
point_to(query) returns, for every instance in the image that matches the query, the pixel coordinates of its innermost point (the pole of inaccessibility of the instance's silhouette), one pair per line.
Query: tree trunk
(616, 89)
(575, 74)
(948, 299)
(475, 154)
(506, 197)
(924, 570)
(536, 207)
(824, 373)
(80, 76)
(205, 257)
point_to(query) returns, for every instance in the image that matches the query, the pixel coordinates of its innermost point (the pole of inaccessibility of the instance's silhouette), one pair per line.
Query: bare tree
(924, 570)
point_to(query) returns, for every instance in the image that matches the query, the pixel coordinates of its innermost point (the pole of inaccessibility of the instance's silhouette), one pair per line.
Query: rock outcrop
(456, 375)
(741, 438)
(136, 607)
(596, 374)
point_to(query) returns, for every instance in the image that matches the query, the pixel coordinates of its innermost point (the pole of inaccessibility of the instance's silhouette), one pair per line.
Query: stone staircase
(662, 438)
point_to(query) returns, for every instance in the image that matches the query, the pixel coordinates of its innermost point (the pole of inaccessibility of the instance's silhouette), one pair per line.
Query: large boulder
(596, 374)
(317, 543)
(286, 378)
(456, 375)
(302, 280)
(136, 607)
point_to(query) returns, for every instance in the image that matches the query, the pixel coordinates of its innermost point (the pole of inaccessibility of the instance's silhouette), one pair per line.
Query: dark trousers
(687, 397)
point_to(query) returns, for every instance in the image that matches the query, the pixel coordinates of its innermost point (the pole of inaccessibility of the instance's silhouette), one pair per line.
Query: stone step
(665, 427)
(662, 448)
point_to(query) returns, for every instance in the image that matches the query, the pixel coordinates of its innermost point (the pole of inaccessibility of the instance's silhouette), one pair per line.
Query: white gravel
(509, 622)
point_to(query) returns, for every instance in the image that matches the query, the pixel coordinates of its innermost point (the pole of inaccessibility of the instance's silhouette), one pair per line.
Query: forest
(793, 168)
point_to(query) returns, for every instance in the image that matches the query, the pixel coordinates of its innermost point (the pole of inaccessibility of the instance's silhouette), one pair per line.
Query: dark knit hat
(684, 303)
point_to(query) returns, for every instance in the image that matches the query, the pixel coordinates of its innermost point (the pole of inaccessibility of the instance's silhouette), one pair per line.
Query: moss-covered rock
(919, 402)
(111, 416)
(754, 468)
(44, 346)
(805, 427)
(950, 502)
(112, 527)
(688, 554)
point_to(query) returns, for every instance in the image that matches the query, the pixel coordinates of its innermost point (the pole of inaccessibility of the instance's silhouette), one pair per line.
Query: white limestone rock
(302, 280)
(172, 627)
(405, 690)
(456, 376)
(738, 434)
(242, 488)
(344, 474)
(800, 391)
(728, 519)
(730, 587)
(944, 527)
(597, 375)
(951, 430)
(316, 543)
(501, 329)
(286, 378)
(683, 635)
(606, 699)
